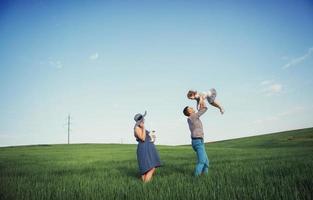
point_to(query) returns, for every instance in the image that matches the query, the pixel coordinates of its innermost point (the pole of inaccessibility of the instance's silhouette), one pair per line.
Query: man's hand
(203, 108)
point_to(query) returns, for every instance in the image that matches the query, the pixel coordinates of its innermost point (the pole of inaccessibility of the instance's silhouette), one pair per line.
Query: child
(210, 96)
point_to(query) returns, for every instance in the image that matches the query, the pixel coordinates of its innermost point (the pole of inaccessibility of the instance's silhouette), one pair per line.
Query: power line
(68, 128)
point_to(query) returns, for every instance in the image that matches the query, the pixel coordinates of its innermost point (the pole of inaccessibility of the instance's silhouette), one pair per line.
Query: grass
(273, 166)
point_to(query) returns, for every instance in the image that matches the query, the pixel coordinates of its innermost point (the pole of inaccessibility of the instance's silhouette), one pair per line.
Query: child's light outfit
(209, 95)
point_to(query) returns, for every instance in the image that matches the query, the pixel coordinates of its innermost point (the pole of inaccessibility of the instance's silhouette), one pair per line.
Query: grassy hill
(273, 166)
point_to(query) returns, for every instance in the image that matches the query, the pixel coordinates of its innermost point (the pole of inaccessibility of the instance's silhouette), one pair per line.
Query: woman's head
(140, 121)
(139, 118)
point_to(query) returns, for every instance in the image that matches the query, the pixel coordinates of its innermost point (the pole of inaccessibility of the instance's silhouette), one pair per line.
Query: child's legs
(216, 104)
(212, 100)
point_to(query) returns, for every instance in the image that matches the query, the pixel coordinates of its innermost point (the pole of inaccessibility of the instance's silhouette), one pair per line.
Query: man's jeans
(203, 161)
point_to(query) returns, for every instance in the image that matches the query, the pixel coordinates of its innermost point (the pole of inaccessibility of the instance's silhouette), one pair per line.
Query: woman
(147, 155)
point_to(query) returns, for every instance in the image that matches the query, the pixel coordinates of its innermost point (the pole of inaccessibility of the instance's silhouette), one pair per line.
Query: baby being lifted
(210, 96)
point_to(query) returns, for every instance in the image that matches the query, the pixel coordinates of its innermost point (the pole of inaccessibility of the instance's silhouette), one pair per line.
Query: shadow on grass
(130, 169)
(127, 168)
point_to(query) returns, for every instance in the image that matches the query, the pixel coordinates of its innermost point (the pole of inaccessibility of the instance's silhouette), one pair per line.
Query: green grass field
(274, 166)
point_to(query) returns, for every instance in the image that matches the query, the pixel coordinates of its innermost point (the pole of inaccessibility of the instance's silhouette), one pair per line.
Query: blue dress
(147, 155)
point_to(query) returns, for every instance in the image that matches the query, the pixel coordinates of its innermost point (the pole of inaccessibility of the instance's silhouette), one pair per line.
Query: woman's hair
(185, 111)
(191, 93)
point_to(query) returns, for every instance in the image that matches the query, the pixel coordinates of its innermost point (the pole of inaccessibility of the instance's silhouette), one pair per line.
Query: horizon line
(85, 143)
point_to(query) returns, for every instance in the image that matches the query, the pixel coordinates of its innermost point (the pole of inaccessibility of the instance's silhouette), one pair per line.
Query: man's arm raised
(203, 107)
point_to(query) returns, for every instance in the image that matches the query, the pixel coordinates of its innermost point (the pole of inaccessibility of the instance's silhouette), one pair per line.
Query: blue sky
(105, 61)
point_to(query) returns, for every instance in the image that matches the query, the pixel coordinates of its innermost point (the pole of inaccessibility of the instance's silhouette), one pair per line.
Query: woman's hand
(142, 124)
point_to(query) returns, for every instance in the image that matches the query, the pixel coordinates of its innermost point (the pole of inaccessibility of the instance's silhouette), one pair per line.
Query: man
(196, 129)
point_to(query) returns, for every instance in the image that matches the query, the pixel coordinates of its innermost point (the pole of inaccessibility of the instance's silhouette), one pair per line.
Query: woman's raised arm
(140, 132)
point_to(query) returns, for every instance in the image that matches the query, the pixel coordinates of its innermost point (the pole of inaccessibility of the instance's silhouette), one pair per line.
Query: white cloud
(275, 88)
(293, 111)
(266, 120)
(285, 58)
(298, 60)
(94, 56)
(57, 64)
(266, 82)
(271, 88)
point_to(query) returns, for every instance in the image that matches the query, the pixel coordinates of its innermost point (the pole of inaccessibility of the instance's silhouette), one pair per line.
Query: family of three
(147, 155)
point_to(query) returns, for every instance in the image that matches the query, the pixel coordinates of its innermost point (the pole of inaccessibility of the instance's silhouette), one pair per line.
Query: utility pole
(68, 128)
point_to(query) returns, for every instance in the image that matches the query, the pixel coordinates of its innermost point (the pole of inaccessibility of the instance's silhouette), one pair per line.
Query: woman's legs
(148, 175)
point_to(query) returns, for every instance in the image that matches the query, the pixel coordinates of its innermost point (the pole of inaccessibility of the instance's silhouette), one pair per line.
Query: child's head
(191, 94)
(188, 111)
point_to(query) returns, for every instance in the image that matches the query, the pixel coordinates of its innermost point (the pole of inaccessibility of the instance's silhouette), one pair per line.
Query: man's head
(188, 111)
(191, 94)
